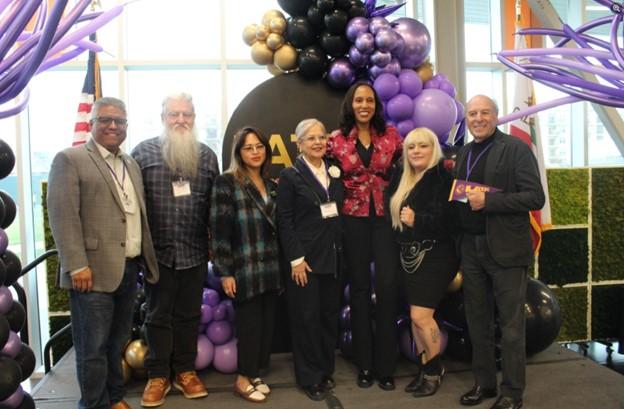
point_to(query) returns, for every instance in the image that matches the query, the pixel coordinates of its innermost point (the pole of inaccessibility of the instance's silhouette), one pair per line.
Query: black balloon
(13, 267)
(452, 311)
(543, 317)
(357, 9)
(5, 329)
(312, 62)
(342, 4)
(10, 377)
(2, 211)
(326, 6)
(7, 159)
(459, 346)
(315, 17)
(9, 209)
(27, 403)
(295, 7)
(334, 44)
(135, 332)
(3, 272)
(336, 21)
(300, 32)
(26, 360)
(16, 316)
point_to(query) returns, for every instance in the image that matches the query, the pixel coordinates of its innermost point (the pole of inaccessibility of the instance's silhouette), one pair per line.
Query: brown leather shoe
(190, 385)
(155, 392)
(122, 404)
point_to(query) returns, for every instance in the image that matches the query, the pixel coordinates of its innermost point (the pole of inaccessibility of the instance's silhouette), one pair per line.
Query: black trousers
(172, 320)
(255, 324)
(314, 312)
(369, 238)
(486, 284)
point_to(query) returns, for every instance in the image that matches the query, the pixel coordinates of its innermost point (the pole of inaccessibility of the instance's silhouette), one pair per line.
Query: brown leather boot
(155, 392)
(190, 385)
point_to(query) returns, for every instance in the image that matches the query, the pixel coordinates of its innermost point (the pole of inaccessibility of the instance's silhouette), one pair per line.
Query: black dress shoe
(506, 402)
(365, 378)
(415, 383)
(328, 382)
(386, 383)
(315, 392)
(476, 395)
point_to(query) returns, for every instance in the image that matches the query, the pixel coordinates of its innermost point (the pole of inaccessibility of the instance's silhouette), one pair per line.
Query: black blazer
(302, 230)
(512, 167)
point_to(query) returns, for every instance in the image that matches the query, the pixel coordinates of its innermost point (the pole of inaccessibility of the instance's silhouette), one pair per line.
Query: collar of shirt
(320, 172)
(106, 153)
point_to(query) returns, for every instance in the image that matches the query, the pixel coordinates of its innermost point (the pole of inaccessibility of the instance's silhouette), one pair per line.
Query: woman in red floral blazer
(367, 149)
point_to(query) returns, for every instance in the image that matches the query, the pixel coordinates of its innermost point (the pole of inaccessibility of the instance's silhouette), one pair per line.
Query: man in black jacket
(496, 250)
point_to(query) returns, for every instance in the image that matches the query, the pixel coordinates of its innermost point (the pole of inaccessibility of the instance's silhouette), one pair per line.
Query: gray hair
(304, 127)
(177, 96)
(491, 101)
(107, 101)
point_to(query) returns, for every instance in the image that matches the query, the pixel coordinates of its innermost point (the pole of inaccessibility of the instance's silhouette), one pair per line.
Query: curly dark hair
(347, 116)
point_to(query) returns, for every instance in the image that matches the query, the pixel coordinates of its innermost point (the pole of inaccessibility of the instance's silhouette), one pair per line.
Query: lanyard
(469, 167)
(123, 177)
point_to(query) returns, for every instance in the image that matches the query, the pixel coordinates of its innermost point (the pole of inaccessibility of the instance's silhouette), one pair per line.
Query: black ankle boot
(415, 383)
(432, 378)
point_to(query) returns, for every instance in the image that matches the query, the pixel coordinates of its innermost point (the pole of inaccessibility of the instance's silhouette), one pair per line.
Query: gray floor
(557, 378)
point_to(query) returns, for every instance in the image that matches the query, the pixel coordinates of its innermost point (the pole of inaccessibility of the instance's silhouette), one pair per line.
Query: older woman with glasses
(309, 198)
(246, 254)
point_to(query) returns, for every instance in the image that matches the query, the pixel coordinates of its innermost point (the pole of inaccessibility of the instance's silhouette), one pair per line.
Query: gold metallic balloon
(261, 54)
(274, 41)
(456, 284)
(262, 32)
(136, 353)
(277, 25)
(249, 34)
(425, 71)
(274, 70)
(270, 15)
(286, 58)
(126, 371)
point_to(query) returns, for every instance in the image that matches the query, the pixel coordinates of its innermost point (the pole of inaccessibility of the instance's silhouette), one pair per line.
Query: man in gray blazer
(98, 219)
(496, 250)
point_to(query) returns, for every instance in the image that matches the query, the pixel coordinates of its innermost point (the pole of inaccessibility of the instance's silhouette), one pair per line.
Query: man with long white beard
(178, 172)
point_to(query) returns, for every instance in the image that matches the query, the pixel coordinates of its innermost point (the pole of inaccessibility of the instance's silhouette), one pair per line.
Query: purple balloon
(15, 400)
(345, 343)
(13, 345)
(399, 46)
(432, 83)
(404, 127)
(341, 73)
(448, 87)
(345, 317)
(347, 294)
(417, 41)
(230, 313)
(4, 241)
(435, 110)
(210, 297)
(358, 59)
(461, 112)
(219, 332)
(205, 314)
(407, 345)
(387, 86)
(355, 27)
(386, 40)
(219, 312)
(377, 24)
(226, 357)
(394, 68)
(201, 328)
(380, 58)
(400, 107)
(365, 43)
(6, 300)
(411, 84)
(205, 352)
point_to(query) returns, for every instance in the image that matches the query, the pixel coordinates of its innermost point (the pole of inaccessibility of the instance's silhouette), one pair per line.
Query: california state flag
(527, 129)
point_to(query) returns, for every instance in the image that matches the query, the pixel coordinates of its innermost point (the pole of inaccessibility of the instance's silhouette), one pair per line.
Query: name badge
(329, 209)
(181, 188)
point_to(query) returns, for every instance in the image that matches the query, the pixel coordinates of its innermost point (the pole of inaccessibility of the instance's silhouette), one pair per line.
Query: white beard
(180, 150)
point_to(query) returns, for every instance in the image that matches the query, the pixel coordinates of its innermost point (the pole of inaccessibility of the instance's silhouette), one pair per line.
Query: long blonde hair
(410, 176)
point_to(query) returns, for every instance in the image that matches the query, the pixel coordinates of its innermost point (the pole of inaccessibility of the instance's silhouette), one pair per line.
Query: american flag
(91, 90)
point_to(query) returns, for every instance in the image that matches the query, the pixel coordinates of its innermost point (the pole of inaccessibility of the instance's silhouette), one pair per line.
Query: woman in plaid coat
(245, 254)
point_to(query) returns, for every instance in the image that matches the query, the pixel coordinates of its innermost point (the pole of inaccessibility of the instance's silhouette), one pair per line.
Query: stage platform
(556, 378)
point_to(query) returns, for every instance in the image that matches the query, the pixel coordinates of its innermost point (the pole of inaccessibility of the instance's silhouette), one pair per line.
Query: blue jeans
(101, 324)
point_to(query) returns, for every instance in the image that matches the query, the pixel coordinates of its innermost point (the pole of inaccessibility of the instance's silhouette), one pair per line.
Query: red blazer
(360, 181)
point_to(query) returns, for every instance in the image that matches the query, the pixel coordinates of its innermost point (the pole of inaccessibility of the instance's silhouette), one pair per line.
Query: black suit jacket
(302, 230)
(511, 167)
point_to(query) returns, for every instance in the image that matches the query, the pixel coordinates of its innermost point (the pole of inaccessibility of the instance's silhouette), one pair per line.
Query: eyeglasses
(315, 138)
(185, 115)
(253, 148)
(107, 121)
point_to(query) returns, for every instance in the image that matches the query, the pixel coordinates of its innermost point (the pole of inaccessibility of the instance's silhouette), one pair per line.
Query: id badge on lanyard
(181, 188)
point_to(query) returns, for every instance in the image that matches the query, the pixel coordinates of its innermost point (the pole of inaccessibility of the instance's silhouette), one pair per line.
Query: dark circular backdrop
(276, 107)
